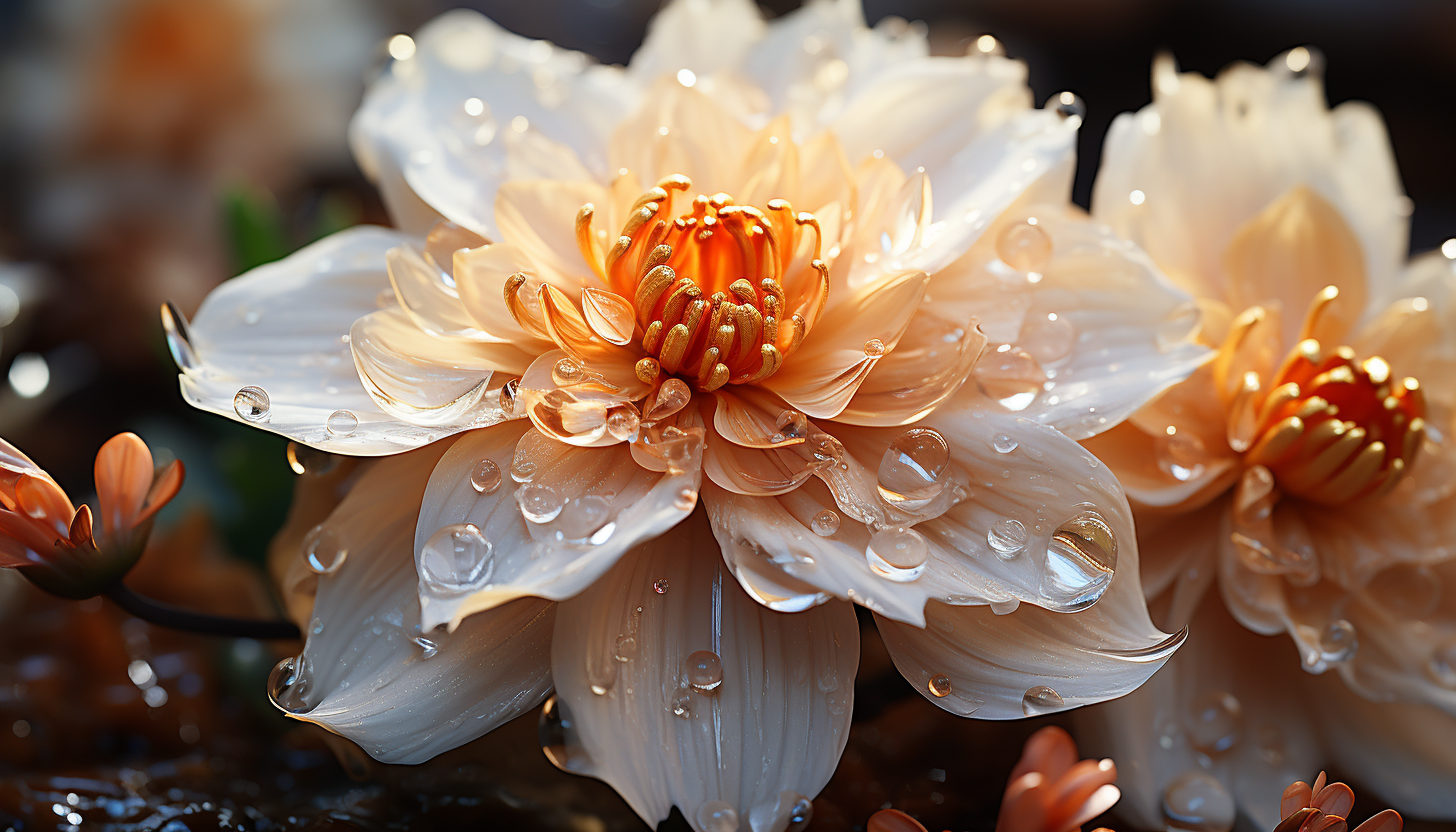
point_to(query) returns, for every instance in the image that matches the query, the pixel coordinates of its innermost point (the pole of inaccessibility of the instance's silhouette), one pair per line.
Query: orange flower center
(1333, 429)
(722, 292)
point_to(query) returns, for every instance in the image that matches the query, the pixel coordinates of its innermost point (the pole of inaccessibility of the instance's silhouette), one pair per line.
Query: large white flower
(722, 260)
(1307, 469)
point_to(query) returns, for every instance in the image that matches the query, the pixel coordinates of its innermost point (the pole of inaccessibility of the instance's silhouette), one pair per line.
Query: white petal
(284, 327)
(607, 504)
(1151, 732)
(777, 722)
(366, 673)
(701, 36)
(450, 116)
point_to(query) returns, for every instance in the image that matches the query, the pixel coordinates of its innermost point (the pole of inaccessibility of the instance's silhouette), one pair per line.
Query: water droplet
(251, 404)
(898, 553)
(427, 648)
(672, 396)
(1215, 721)
(800, 813)
(1024, 247)
(1181, 454)
(457, 558)
(704, 671)
(939, 686)
(686, 499)
(509, 393)
(584, 515)
(910, 471)
(792, 424)
(1442, 665)
(179, 339)
(288, 685)
(825, 523)
(825, 448)
(1080, 560)
(485, 477)
(305, 460)
(625, 649)
(556, 732)
(623, 423)
(717, 816)
(1007, 538)
(1004, 444)
(1197, 802)
(681, 703)
(324, 550)
(566, 372)
(1067, 105)
(342, 423)
(874, 348)
(523, 468)
(1041, 700)
(316, 626)
(787, 812)
(539, 503)
(660, 586)
(1047, 338)
(1177, 326)
(1338, 643)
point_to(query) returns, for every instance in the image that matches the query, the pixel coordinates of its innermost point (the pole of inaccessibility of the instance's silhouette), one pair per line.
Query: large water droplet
(179, 339)
(1180, 453)
(428, 648)
(1047, 338)
(623, 423)
(874, 348)
(1197, 802)
(939, 686)
(523, 468)
(288, 685)
(324, 550)
(825, 523)
(1010, 376)
(485, 477)
(509, 396)
(704, 671)
(717, 816)
(1081, 558)
(251, 404)
(1337, 642)
(582, 516)
(1004, 444)
(672, 396)
(341, 423)
(1006, 537)
(911, 469)
(557, 734)
(791, 424)
(566, 372)
(457, 558)
(1041, 700)
(625, 649)
(539, 502)
(1177, 326)
(898, 553)
(1214, 721)
(786, 812)
(1024, 247)
(660, 586)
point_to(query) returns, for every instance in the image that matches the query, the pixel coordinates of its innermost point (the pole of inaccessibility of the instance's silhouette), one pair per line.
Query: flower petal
(701, 36)
(284, 327)
(123, 477)
(598, 500)
(776, 721)
(538, 219)
(371, 673)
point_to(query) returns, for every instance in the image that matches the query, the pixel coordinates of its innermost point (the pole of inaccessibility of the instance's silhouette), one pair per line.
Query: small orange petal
(1050, 751)
(27, 534)
(1076, 787)
(1297, 819)
(1024, 808)
(1386, 821)
(81, 527)
(39, 498)
(1319, 783)
(1335, 799)
(166, 485)
(1296, 797)
(123, 476)
(1327, 823)
(893, 820)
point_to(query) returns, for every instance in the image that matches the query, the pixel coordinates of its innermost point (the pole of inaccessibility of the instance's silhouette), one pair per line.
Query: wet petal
(538, 219)
(371, 673)
(701, 36)
(776, 718)
(598, 500)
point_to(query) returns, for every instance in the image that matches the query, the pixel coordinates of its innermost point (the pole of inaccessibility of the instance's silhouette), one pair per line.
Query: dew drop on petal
(791, 424)
(251, 404)
(1080, 560)
(1047, 338)
(179, 340)
(939, 686)
(686, 499)
(1180, 454)
(557, 734)
(625, 649)
(341, 423)
(566, 372)
(288, 685)
(899, 554)
(523, 468)
(717, 816)
(427, 648)
(672, 396)
(1024, 246)
(509, 393)
(1338, 642)
(825, 523)
(1177, 326)
(485, 477)
(1197, 802)
(623, 424)
(1004, 444)
(1041, 700)
(704, 671)
(874, 348)
(1006, 537)
(1214, 721)
(539, 503)
(324, 550)
(911, 469)
(660, 586)
(681, 703)
(456, 558)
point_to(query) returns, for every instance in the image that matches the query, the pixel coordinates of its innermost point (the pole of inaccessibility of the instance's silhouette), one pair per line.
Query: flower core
(722, 293)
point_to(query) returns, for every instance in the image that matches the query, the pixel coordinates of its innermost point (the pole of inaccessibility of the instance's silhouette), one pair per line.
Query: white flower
(722, 260)
(1307, 468)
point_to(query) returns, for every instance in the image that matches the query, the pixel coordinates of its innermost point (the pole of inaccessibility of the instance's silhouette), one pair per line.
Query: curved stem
(177, 618)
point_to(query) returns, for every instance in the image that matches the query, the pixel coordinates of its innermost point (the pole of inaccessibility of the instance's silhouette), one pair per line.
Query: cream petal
(284, 327)
(681, 130)
(1156, 472)
(454, 155)
(599, 501)
(701, 36)
(777, 721)
(1174, 723)
(1206, 156)
(429, 296)
(481, 276)
(538, 219)
(930, 362)
(371, 673)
